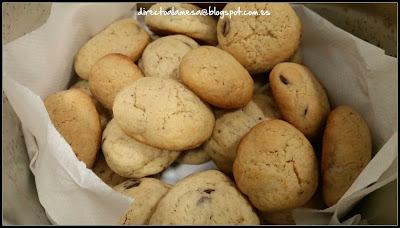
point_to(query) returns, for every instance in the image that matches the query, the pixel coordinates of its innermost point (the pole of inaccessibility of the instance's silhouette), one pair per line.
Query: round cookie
(130, 158)
(346, 150)
(260, 42)
(276, 167)
(216, 77)
(202, 28)
(301, 99)
(123, 36)
(163, 113)
(161, 58)
(204, 198)
(230, 126)
(101, 169)
(75, 117)
(105, 114)
(194, 156)
(146, 192)
(109, 75)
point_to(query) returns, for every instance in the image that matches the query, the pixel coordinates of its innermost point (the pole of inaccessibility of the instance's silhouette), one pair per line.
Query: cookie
(105, 114)
(161, 58)
(346, 150)
(194, 156)
(199, 27)
(231, 126)
(300, 97)
(275, 166)
(163, 113)
(101, 169)
(146, 193)
(204, 198)
(123, 36)
(75, 117)
(109, 75)
(259, 42)
(216, 77)
(130, 158)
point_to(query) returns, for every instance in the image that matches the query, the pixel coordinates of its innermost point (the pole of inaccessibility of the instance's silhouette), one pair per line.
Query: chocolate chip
(203, 199)
(226, 28)
(131, 184)
(306, 110)
(168, 9)
(219, 131)
(208, 191)
(283, 80)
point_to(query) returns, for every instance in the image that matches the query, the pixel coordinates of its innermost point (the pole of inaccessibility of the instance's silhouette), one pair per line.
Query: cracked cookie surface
(75, 117)
(276, 167)
(216, 77)
(109, 75)
(163, 113)
(300, 97)
(123, 36)
(346, 150)
(130, 158)
(161, 58)
(199, 27)
(202, 198)
(231, 126)
(261, 41)
(146, 192)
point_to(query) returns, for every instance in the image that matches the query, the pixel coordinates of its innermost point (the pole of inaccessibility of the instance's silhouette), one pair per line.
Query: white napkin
(353, 71)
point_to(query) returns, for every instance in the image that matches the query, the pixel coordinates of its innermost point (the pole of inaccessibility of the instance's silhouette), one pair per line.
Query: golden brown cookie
(216, 77)
(109, 75)
(300, 97)
(146, 193)
(231, 126)
(130, 158)
(203, 198)
(199, 27)
(346, 151)
(75, 117)
(259, 42)
(276, 167)
(163, 113)
(123, 36)
(162, 57)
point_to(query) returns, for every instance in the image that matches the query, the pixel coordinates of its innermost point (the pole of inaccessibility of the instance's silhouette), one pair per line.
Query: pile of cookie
(194, 95)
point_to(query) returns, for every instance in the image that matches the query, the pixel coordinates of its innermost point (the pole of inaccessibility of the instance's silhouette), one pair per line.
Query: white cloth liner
(353, 71)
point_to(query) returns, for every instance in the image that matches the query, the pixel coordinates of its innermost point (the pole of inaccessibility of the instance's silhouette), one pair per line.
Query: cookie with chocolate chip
(178, 21)
(207, 197)
(300, 97)
(259, 42)
(146, 193)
